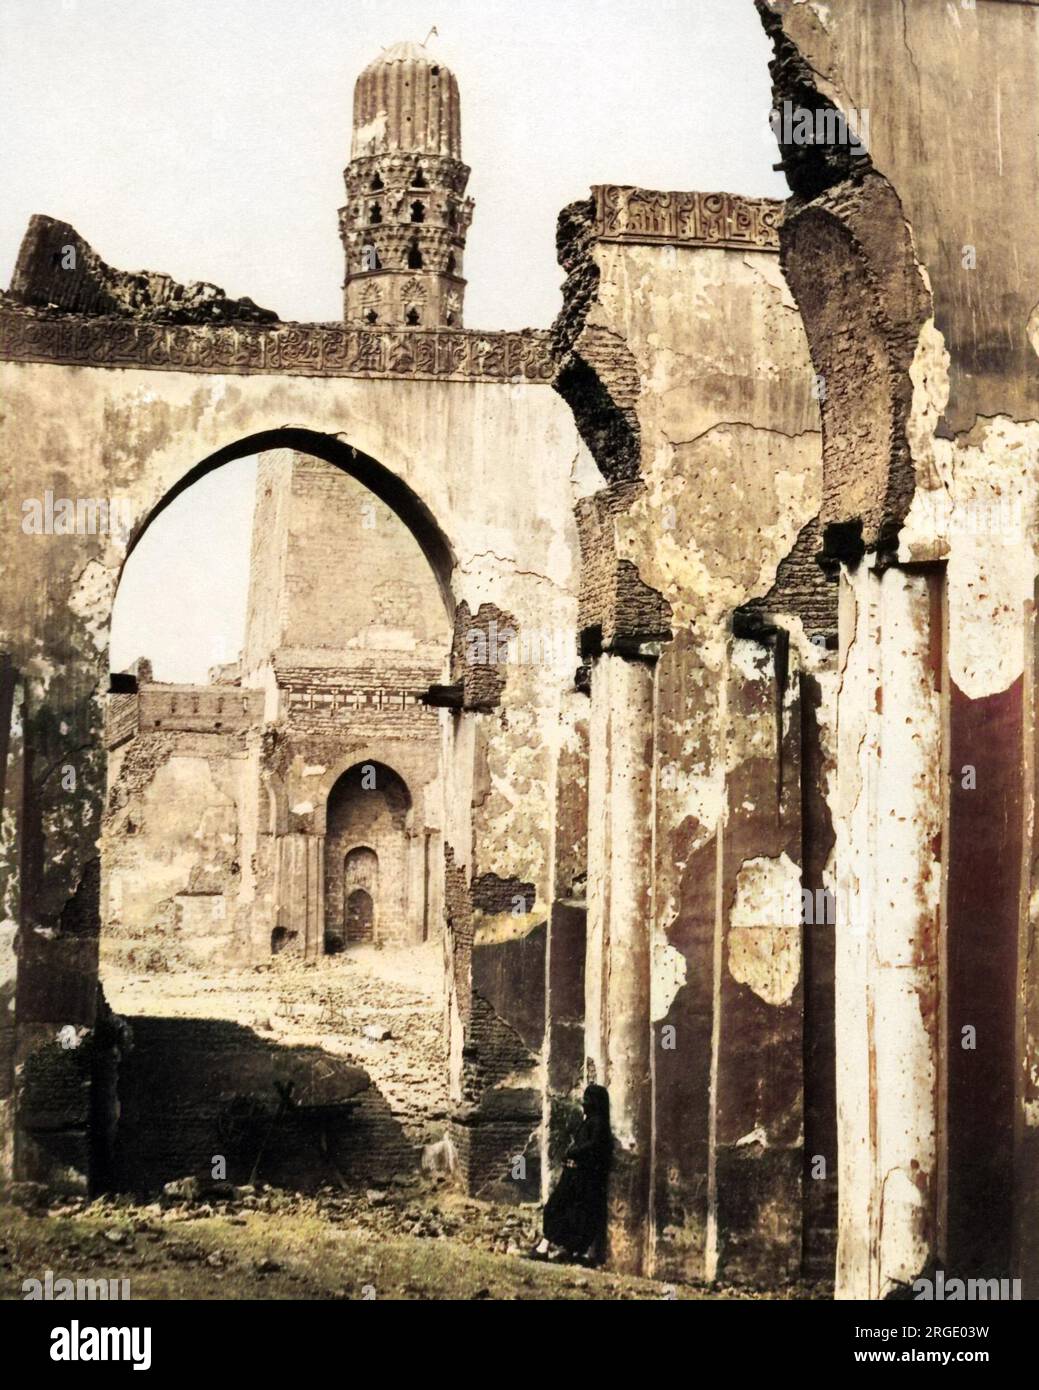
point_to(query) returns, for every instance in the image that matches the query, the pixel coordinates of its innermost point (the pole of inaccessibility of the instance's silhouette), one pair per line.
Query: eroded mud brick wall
(915, 265)
(705, 621)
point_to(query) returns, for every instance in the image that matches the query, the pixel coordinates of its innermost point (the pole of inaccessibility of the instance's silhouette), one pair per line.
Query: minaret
(406, 215)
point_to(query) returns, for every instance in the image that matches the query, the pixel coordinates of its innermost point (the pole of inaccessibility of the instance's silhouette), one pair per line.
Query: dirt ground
(326, 1004)
(411, 1237)
(411, 1243)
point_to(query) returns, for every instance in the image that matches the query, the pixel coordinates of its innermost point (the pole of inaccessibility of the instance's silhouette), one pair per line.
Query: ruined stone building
(757, 850)
(294, 803)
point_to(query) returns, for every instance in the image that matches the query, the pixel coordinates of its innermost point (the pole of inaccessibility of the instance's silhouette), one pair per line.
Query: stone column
(756, 1123)
(1025, 1252)
(889, 827)
(315, 896)
(620, 859)
(565, 949)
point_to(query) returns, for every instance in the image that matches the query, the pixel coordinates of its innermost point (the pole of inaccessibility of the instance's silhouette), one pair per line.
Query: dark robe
(575, 1214)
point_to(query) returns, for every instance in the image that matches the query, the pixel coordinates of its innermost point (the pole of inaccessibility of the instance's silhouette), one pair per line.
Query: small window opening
(412, 317)
(414, 257)
(375, 214)
(419, 181)
(371, 316)
(418, 211)
(450, 263)
(377, 183)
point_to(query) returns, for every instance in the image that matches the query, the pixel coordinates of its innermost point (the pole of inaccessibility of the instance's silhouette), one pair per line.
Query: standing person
(574, 1220)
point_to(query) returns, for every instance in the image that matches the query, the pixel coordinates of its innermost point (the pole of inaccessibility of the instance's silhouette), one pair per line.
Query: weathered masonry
(701, 719)
(916, 270)
(707, 629)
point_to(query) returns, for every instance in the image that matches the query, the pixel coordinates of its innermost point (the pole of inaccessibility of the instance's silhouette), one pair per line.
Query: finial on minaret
(406, 216)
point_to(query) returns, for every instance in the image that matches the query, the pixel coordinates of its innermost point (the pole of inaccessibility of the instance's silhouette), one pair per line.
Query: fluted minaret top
(406, 215)
(406, 100)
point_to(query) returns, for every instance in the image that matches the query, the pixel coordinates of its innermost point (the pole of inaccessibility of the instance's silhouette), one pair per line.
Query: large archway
(379, 480)
(346, 623)
(248, 821)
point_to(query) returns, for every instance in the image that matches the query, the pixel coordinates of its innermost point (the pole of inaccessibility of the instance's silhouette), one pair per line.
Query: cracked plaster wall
(703, 355)
(937, 235)
(179, 881)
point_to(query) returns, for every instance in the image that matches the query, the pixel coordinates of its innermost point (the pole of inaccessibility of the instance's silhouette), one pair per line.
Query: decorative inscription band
(694, 219)
(294, 349)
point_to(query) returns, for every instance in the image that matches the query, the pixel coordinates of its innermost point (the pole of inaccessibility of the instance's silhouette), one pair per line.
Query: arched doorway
(355, 922)
(215, 827)
(367, 858)
(361, 873)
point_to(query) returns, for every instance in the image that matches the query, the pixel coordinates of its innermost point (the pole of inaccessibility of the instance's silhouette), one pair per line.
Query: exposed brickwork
(480, 655)
(856, 233)
(491, 894)
(809, 167)
(489, 1145)
(599, 379)
(122, 719)
(605, 417)
(802, 588)
(863, 302)
(509, 975)
(192, 1088)
(615, 606)
(596, 376)
(182, 708)
(458, 916)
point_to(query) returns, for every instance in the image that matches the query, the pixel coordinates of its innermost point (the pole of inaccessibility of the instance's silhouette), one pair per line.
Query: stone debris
(58, 270)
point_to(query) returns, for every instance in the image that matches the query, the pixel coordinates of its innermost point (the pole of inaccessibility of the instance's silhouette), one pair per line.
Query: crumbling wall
(919, 305)
(682, 355)
(57, 269)
(178, 885)
(515, 743)
(456, 432)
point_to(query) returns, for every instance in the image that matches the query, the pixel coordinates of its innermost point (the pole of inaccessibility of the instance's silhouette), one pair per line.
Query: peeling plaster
(90, 599)
(757, 1136)
(669, 971)
(976, 503)
(764, 940)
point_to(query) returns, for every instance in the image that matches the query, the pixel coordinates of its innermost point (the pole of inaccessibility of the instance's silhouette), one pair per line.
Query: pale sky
(207, 139)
